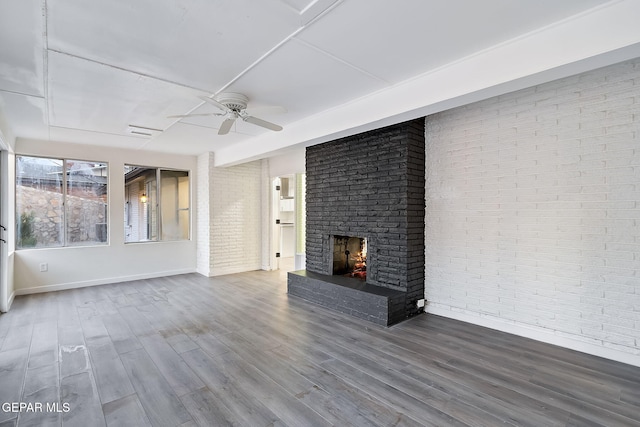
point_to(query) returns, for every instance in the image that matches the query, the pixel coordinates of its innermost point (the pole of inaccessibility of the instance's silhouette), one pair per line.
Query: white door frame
(4, 202)
(274, 228)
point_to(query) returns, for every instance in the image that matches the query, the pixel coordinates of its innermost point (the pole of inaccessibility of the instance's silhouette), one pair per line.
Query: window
(60, 202)
(153, 211)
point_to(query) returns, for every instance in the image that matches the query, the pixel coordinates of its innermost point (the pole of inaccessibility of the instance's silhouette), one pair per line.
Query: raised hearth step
(376, 304)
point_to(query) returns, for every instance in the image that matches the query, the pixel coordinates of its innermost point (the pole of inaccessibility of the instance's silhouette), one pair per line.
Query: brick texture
(371, 185)
(235, 228)
(372, 303)
(533, 209)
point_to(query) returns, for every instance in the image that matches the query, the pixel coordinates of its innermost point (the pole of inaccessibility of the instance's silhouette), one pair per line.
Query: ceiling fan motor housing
(233, 101)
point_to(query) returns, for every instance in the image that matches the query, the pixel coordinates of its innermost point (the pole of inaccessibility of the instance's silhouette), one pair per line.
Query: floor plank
(80, 393)
(189, 350)
(121, 336)
(44, 345)
(125, 412)
(41, 387)
(173, 367)
(109, 373)
(13, 367)
(158, 399)
(242, 406)
(74, 359)
(207, 410)
(264, 389)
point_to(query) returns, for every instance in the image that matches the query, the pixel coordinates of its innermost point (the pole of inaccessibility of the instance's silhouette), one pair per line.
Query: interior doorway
(284, 225)
(288, 222)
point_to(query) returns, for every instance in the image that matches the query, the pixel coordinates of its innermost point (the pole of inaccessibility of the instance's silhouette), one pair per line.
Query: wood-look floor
(236, 350)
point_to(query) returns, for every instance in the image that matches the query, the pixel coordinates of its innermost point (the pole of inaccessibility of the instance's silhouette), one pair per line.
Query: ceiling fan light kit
(233, 106)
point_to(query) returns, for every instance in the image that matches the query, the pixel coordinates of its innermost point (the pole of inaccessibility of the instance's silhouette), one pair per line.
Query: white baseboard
(538, 334)
(105, 281)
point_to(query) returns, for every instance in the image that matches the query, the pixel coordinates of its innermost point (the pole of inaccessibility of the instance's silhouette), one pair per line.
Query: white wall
(289, 163)
(204, 235)
(267, 217)
(533, 212)
(117, 261)
(236, 212)
(6, 135)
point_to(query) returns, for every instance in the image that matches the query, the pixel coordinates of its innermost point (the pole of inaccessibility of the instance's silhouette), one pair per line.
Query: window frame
(158, 207)
(65, 231)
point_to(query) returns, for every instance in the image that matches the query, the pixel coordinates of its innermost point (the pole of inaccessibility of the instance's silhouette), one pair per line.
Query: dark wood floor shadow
(236, 350)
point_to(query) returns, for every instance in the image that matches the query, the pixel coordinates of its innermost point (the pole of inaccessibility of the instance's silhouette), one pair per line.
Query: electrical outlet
(420, 303)
(44, 267)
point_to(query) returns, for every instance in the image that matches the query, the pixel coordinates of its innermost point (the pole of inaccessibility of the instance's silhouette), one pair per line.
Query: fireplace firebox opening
(350, 256)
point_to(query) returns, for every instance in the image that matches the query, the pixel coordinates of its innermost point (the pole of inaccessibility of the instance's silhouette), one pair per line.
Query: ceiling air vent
(142, 131)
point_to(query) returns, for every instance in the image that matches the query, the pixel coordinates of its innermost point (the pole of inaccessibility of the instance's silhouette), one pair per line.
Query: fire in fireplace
(350, 256)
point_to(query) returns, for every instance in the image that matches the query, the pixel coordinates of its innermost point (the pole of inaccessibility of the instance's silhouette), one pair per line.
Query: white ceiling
(82, 71)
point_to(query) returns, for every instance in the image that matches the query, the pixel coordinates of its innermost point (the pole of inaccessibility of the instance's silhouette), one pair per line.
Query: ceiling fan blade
(225, 127)
(180, 116)
(263, 123)
(214, 102)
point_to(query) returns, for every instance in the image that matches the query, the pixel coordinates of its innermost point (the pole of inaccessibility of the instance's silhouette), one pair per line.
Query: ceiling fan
(233, 106)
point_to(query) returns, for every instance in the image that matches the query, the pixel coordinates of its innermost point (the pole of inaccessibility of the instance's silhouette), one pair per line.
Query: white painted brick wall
(533, 212)
(235, 196)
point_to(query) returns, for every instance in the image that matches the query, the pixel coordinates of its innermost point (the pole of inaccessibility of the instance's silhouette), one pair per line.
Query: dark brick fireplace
(368, 187)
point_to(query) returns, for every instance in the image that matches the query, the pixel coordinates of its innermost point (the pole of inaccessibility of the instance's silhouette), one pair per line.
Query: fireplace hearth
(365, 224)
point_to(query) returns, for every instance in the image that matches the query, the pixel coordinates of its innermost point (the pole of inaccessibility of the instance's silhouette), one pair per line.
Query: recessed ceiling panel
(25, 114)
(304, 81)
(399, 40)
(21, 48)
(192, 140)
(198, 43)
(91, 96)
(100, 139)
